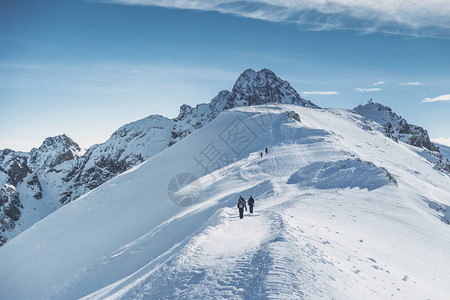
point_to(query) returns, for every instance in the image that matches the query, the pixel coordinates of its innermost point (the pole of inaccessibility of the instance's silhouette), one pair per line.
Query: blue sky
(85, 68)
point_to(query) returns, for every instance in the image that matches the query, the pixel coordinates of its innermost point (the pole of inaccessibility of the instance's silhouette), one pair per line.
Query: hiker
(241, 205)
(261, 154)
(267, 150)
(251, 203)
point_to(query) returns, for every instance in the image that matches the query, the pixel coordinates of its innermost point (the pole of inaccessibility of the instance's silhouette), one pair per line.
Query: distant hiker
(251, 203)
(261, 154)
(241, 205)
(267, 150)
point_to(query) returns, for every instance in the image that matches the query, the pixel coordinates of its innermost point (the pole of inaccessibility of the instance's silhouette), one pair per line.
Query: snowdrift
(349, 173)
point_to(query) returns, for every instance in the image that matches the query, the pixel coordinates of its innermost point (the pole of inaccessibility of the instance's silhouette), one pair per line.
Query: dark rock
(395, 127)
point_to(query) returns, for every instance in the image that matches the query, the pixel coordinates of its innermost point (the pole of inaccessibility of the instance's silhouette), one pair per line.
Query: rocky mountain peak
(245, 80)
(263, 87)
(54, 151)
(184, 111)
(60, 141)
(396, 127)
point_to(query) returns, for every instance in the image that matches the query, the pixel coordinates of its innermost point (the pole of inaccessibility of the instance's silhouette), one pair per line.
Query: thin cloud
(442, 140)
(321, 93)
(411, 83)
(379, 83)
(362, 90)
(437, 99)
(409, 17)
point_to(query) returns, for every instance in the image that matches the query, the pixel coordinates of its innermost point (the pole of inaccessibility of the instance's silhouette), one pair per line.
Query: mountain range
(35, 184)
(341, 212)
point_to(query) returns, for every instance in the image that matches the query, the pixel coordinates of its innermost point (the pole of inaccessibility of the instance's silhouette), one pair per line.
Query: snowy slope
(341, 212)
(59, 171)
(395, 126)
(444, 149)
(398, 129)
(140, 140)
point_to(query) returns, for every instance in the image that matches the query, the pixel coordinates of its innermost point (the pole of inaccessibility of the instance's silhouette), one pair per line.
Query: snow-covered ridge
(341, 212)
(398, 129)
(59, 170)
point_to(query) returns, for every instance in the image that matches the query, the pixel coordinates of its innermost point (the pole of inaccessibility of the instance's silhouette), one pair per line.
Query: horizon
(77, 65)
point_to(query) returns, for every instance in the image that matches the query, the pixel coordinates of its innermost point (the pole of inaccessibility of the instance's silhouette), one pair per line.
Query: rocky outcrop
(396, 127)
(255, 88)
(54, 151)
(10, 210)
(22, 176)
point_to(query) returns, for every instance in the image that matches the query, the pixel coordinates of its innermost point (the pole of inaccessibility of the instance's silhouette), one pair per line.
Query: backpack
(240, 204)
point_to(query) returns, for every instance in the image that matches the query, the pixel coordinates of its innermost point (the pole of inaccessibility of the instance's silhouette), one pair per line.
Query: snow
(341, 174)
(445, 150)
(65, 171)
(3, 178)
(328, 223)
(155, 130)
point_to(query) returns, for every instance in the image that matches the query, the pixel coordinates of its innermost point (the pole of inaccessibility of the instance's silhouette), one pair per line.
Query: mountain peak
(53, 151)
(61, 139)
(263, 87)
(266, 71)
(396, 127)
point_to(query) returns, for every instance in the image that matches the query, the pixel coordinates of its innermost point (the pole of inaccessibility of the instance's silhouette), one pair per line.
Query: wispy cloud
(362, 90)
(442, 140)
(321, 93)
(436, 99)
(379, 83)
(411, 83)
(409, 17)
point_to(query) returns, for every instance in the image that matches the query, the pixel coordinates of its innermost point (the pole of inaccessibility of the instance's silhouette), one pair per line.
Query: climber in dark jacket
(251, 203)
(241, 205)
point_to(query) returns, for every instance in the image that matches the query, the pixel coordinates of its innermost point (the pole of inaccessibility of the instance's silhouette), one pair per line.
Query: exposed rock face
(20, 181)
(395, 127)
(15, 165)
(254, 88)
(13, 169)
(54, 151)
(293, 116)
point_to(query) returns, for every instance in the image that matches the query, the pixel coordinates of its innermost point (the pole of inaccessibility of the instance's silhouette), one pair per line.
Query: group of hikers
(243, 204)
(266, 150)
